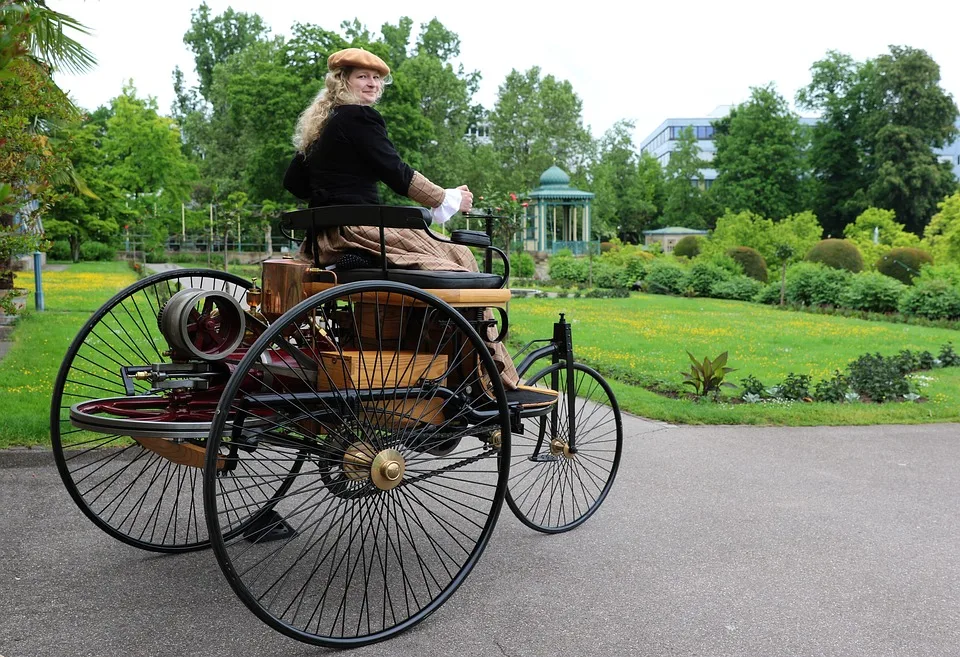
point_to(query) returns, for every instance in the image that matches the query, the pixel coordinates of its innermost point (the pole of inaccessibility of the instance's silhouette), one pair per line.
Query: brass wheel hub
(560, 448)
(387, 469)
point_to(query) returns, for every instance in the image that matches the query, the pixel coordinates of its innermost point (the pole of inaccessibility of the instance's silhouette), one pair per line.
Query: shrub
(795, 386)
(665, 277)
(948, 357)
(833, 389)
(602, 293)
(97, 251)
(522, 265)
(903, 263)
(740, 288)
(59, 250)
(751, 385)
(872, 291)
(608, 275)
(704, 275)
(838, 254)
(768, 294)
(688, 247)
(948, 272)
(605, 247)
(877, 377)
(752, 262)
(813, 284)
(567, 269)
(935, 299)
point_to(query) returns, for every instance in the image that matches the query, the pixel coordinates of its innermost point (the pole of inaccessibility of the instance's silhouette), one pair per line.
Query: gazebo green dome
(554, 176)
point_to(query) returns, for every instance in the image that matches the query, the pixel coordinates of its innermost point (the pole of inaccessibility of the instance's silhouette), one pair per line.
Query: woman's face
(366, 85)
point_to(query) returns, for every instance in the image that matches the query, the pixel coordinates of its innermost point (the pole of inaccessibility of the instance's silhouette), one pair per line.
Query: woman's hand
(466, 198)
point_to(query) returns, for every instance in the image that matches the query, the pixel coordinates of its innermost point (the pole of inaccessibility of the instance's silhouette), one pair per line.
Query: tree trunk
(783, 283)
(268, 240)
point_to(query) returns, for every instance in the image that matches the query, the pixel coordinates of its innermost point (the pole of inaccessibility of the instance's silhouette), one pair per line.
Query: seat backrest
(380, 216)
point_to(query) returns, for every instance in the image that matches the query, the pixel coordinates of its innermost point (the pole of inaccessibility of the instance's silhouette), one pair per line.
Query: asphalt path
(714, 541)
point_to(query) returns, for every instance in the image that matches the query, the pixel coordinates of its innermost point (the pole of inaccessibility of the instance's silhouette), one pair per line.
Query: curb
(25, 457)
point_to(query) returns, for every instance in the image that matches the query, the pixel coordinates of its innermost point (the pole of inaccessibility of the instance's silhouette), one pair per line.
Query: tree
(684, 203)
(836, 158)
(214, 40)
(628, 189)
(942, 235)
(881, 121)
(759, 157)
(33, 44)
(535, 123)
(799, 232)
(142, 149)
(77, 218)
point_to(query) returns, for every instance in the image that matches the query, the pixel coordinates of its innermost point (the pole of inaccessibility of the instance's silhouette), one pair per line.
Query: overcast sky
(639, 61)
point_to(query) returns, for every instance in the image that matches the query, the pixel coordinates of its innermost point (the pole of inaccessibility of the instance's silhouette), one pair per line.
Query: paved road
(715, 541)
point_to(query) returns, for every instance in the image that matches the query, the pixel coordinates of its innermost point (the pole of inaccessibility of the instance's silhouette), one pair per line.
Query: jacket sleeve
(369, 132)
(297, 180)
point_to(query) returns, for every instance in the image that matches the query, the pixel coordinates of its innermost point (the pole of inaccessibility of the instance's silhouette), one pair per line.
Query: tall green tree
(759, 158)
(881, 120)
(142, 149)
(629, 189)
(213, 39)
(537, 122)
(911, 115)
(684, 201)
(836, 155)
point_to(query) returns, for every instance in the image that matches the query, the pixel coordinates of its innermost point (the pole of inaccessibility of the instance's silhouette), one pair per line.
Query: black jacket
(344, 164)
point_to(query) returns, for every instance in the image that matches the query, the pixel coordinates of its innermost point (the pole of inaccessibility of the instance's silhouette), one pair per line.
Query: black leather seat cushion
(436, 280)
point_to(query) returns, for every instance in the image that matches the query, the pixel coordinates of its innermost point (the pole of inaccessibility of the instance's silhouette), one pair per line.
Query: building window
(704, 132)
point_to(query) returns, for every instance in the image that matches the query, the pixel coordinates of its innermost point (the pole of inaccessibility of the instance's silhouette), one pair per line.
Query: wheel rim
(384, 530)
(550, 489)
(133, 493)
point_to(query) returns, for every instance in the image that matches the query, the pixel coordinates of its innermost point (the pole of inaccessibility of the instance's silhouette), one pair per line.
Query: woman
(343, 151)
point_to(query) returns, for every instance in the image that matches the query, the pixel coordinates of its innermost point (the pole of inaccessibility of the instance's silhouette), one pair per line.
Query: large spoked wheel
(120, 466)
(391, 399)
(551, 489)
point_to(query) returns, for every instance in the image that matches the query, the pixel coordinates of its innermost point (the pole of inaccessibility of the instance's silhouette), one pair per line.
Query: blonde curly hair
(336, 92)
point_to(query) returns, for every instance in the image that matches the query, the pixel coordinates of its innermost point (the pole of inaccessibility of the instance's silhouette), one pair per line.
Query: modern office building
(661, 142)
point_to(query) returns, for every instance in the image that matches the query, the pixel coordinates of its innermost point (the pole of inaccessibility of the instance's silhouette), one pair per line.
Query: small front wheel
(552, 489)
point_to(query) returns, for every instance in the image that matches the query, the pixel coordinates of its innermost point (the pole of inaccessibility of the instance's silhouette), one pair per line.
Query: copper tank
(282, 285)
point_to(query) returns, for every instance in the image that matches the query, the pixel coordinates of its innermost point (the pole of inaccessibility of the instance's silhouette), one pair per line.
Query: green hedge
(838, 254)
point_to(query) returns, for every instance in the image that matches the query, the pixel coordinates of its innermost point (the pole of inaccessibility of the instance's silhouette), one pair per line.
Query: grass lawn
(41, 340)
(642, 338)
(645, 338)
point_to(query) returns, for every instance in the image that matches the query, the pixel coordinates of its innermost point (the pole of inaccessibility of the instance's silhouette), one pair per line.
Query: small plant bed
(641, 343)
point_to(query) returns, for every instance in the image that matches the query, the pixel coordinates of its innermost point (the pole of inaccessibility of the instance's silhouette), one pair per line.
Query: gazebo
(558, 216)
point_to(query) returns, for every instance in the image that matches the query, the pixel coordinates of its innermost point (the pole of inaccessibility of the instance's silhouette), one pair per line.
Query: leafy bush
(812, 284)
(752, 262)
(949, 272)
(935, 299)
(833, 389)
(948, 357)
(751, 385)
(567, 269)
(704, 275)
(665, 277)
(878, 378)
(606, 275)
(903, 263)
(522, 265)
(739, 288)
(795, 386)
(768, 294)
(838, 254)
(59, 250)
(99, 251)
(157, 254)
(688, 247)
(911, 361)
(872, 291)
